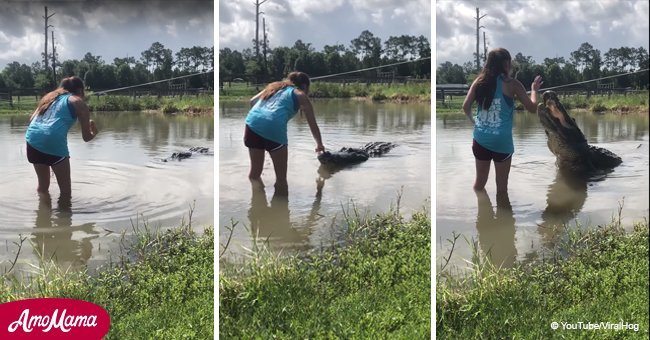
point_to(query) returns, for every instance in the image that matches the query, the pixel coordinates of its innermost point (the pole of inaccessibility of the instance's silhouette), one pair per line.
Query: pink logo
(53, 318)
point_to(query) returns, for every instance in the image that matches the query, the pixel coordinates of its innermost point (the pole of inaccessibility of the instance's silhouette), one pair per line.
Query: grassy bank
(631, 103)
(601, 277)
(165, 290)
(410, 92)
(188, 105)
(375, 287)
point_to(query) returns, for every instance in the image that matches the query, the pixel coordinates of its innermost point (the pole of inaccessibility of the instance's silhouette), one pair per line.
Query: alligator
(179, 156)
(350, 156)
(573, 154)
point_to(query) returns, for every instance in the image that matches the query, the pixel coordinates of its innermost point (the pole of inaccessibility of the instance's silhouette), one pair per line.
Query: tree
(68, 68)
(231, 63)
(124, 75)
(18, 75)
(423, 68)
(588, 60)
(277, 62)
(368, 48)
(448, 73)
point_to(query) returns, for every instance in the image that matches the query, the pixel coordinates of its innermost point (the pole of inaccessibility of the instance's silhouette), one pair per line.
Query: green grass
(601, 277)
(202, 104)
(375, 287)
(631, 103)
(165, 290)
(377, 92)
(26, 105)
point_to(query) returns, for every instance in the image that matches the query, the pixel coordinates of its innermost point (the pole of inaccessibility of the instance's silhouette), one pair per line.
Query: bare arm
(308, 109)
(469, 99)
(88, 127)
(530, 104)
(255, 98)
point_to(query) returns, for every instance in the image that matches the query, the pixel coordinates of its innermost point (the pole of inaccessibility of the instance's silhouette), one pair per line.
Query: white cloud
(172, 29)
(543, 28)
(321, 22)
(306, 8)
(108, 29)
(31, 43)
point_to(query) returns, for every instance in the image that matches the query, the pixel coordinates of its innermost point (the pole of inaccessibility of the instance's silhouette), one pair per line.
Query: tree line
(155, 63)
(585, 63)
(365, 51)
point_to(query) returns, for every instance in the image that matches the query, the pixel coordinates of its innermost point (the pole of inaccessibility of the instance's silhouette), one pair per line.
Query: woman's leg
(62, 173)
(257, 162)
(43, 174)
(502, 171)
(279, 158)
(482, 172)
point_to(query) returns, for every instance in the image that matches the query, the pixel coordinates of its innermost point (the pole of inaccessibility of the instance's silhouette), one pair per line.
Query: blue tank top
(268, 118)
(493, 129)
(48, 132)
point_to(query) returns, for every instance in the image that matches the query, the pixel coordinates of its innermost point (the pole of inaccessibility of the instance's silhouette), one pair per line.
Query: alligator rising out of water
(569, 145)
(179, 156)
(351, 156)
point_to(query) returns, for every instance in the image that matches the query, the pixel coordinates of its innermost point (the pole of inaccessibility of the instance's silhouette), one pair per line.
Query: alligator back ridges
(187, 154)
(349, 156)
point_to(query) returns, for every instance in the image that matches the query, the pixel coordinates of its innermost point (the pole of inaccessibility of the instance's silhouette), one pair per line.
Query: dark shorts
(255, 141)
(36, 157)
(483, 154)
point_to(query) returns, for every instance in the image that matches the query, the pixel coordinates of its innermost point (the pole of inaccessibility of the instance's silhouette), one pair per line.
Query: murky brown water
(303, 220)
(539, 197)
(118, 180)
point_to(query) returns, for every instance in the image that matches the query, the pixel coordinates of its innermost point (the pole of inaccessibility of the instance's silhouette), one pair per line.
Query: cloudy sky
(321, 22)
(539, 28)
(116, 28)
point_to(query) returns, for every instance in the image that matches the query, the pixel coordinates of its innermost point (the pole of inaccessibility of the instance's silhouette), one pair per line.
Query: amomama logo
(53, 318)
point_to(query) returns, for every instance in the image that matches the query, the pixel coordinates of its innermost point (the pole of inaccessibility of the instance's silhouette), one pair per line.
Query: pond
(312, 214)
(119, 180)
(539, 197)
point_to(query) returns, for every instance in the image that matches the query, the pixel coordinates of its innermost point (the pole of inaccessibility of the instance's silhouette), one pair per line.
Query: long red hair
(67, 85)
(297, 79)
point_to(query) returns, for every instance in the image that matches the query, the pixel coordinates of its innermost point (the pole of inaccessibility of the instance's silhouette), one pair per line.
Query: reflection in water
(314, 215)
(271, 223)
(52, 236)
(496, 232)
(565, 198)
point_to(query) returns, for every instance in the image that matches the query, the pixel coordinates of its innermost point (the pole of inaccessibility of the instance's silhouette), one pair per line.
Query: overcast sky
(321, 22)
(106, 28)
(539, 28)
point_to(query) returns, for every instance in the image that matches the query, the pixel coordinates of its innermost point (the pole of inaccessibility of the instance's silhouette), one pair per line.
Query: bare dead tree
(478, 19)
(257, 27)
(484, 48)
(53, 60)
(264, 44)
(46, 17)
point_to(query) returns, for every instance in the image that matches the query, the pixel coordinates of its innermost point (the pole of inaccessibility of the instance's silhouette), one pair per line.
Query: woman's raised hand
(537, 83)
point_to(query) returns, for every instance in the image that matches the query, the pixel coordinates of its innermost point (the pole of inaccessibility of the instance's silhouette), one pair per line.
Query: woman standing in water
(47, 134)
(266, 124)
(494, 92)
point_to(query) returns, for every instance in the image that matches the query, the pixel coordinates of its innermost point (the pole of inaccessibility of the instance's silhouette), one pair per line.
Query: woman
(266, 124)
(494, 92)
(47, 134)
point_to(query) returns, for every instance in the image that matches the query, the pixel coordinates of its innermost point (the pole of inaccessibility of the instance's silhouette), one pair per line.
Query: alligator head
(568, 144)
